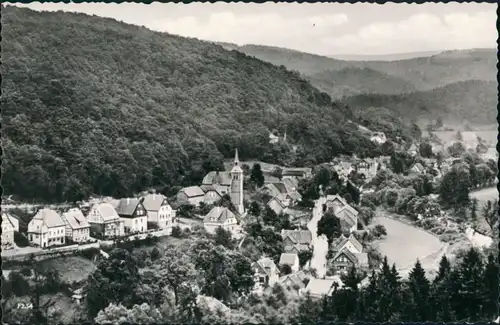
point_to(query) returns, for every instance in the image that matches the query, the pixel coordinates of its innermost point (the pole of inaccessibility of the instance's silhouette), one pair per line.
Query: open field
(447, 136)
(404, 244)
(485, 194)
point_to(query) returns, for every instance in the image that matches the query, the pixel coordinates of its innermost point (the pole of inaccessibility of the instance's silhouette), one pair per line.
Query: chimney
(128, 201)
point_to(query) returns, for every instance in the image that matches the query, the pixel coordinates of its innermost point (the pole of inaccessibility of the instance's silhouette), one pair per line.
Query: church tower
(237, 185)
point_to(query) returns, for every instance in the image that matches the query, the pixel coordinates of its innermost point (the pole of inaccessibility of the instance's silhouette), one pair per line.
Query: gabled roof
(266, 265)
(127, 206)
(153, 202)
(298, 236)
(290, 184)
(342, 241)
(7, 218)
(107, 211)
(192, 191)
(281, 187)
(320, 287)
(50, 217)
(296, 171)
(331, 198)
(349, 208)
(296, 278)
(277, 199)
(75, 219)
(351, 256)
(219, 189)
(288, 258)
(295, 196)
(222, 178)
(218, 215)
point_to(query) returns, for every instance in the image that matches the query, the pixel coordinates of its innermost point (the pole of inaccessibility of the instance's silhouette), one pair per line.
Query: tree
(454, 188)
(490, 213)
(439, 122)
(176, 270)
(458, 136)
(470, 287)
(329, 225)
(419, 288)
(20, 287)
(285, 269)
(304, 257)
(224, 237)
(456, 150)
(114, 280)
(490, 277)
(473, 209)
(139, 314)
(425, 149)
(256, 176)
(254, 209)
(416, 133)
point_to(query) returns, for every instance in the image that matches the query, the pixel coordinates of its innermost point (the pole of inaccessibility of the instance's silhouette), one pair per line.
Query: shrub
(155, 254)
(177, 232)
(379, 231)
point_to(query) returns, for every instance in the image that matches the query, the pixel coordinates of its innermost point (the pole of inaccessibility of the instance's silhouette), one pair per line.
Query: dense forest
(473, 101)
(93, 105)
(355, 81)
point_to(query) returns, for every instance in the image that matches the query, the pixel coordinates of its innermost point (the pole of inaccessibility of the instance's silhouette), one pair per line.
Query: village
(308, 263)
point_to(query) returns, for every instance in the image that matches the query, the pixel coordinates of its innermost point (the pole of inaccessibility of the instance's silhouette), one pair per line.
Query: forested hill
(424, 73)
(474, 101)
(93, 105)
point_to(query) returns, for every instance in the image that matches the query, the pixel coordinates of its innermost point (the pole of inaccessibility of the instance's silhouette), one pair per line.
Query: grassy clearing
(72, 268)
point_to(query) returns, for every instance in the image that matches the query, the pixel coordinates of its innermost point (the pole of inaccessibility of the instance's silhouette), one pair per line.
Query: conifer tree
(491, 288)
(419, 290)
(470, 285)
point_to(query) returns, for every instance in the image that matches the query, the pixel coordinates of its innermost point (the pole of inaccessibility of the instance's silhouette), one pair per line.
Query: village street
(320, 244)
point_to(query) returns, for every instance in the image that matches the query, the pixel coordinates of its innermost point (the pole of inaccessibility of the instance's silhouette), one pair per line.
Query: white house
(9, 226)
(47, 228)
(133, 214)
(77, 226)
(158, 210)
(220, 217)
(266, 273)
(105, 222)
(291, 259)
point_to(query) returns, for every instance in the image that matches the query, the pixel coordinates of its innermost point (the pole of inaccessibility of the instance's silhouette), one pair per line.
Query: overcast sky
(322, 28)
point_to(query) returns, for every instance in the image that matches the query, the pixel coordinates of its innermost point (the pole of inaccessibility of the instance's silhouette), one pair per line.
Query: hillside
(424, 73)
(474, 101)
(355, 81)
(93, 105)
(383, 57)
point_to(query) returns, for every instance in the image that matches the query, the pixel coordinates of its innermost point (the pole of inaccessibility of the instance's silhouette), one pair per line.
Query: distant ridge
(384, 57)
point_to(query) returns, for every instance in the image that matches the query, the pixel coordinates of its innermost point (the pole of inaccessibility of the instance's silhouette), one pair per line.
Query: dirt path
(320, 244)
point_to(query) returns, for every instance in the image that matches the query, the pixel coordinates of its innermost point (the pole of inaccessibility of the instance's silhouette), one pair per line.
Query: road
(320, 244)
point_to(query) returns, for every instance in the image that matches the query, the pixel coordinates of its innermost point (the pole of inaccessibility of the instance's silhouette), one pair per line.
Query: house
(348, 218)
(77, 226)
(417, 168)
(104, 221)
(47, 228)
(9, 226)
(413, 150)
(290, 259)
(362, 166)
(344, 259)
(304, 172)
(318, 288)
(133, 214)
(291, 184)
(158, 210)
(295, 281)
(273, 139)
(350, 243)
(222, 179)
(213, 193)
(295, 241)
(266, 273)
(378, 137)
(193, 195)
(276, 204)
(335, 202)
(220, 217)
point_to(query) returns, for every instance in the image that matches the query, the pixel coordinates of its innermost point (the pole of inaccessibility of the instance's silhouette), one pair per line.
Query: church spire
(236, 159)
